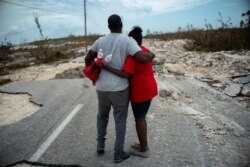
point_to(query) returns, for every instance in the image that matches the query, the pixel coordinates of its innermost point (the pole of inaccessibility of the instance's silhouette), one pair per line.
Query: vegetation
(71, 38)
(226, 37)
(57, 50)
(46, 54)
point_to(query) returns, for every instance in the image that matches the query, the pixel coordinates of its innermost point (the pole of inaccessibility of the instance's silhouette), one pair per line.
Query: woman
(143, 88)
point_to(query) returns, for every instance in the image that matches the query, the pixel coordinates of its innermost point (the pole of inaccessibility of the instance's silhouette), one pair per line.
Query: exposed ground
(15, 107)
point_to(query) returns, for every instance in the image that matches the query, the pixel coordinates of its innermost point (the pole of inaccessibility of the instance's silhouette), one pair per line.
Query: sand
(43, 72)
(15, 108)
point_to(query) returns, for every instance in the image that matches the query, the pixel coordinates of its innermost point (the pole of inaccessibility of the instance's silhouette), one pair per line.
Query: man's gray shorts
(119, 101)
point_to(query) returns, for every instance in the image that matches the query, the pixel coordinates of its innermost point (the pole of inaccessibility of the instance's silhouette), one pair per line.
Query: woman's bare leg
(141, 129)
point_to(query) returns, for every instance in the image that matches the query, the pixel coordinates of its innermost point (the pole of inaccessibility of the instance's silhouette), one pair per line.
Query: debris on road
(233, 90)
(72, 73)
(246, 90)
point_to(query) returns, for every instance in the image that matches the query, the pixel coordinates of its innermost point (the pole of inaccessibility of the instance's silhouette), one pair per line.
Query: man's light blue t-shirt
(120, 46)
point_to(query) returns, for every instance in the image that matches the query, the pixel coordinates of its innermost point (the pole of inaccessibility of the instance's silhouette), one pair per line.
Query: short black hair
(136, 33)
(115, 22)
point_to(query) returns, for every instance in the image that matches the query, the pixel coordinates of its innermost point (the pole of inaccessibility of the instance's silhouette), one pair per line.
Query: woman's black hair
(136, 33)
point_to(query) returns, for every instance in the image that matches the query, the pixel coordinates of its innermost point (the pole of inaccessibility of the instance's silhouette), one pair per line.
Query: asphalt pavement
(180, 133)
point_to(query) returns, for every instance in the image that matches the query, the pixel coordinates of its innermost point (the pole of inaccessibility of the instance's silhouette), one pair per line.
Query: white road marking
(54, 134)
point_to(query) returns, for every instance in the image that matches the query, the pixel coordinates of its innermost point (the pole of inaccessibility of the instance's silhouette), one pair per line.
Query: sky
(60, 18)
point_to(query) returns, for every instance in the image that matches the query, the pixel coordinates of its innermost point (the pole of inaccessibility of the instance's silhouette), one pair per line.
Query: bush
(226, 37)
(51, 55)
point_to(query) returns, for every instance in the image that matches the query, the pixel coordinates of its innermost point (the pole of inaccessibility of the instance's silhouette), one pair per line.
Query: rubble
(71, 73)
(175, 96)
(165, 93)
(217, 85)
(176, 71)
(246, 90)
(244, 80)
(158, 61)
(225, 71)
(203, 79)
(233, 89)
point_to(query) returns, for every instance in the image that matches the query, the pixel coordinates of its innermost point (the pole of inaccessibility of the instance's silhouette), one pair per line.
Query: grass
(89, 39)
(210, 39)
(226, 37)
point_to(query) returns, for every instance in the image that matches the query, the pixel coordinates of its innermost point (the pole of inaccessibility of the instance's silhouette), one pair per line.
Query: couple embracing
(127, 77)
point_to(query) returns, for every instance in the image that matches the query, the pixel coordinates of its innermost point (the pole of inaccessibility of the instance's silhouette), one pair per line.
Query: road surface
(200, 127)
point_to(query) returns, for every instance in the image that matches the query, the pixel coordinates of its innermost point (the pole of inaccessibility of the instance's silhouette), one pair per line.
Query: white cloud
(162, 6)
(14, 30)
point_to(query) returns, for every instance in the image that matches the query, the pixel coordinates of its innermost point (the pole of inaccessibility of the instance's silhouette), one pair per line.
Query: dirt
(71, 73)
(15, 108)
(43, 72)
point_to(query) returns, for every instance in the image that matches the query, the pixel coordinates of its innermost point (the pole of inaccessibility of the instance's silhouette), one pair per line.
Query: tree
(36, 19)
(44, 47)
(245, 23)
(224, 24)
(148, 32)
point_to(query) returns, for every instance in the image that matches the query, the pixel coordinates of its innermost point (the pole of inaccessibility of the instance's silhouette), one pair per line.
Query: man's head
(136, 33)
(115, 23)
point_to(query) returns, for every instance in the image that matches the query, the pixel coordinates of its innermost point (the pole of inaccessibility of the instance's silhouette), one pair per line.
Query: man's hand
(99, 62)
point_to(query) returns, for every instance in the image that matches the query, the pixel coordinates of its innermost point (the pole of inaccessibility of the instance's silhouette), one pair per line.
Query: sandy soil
(43, 72)
(15, 107)
(27, 165)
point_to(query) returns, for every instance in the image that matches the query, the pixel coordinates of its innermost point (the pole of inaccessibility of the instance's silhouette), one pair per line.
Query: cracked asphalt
(202, 127)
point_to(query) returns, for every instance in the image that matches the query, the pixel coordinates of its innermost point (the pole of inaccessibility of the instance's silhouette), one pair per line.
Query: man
(111, 89)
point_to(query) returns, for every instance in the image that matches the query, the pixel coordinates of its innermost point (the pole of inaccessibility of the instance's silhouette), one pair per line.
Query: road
(202, 127)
